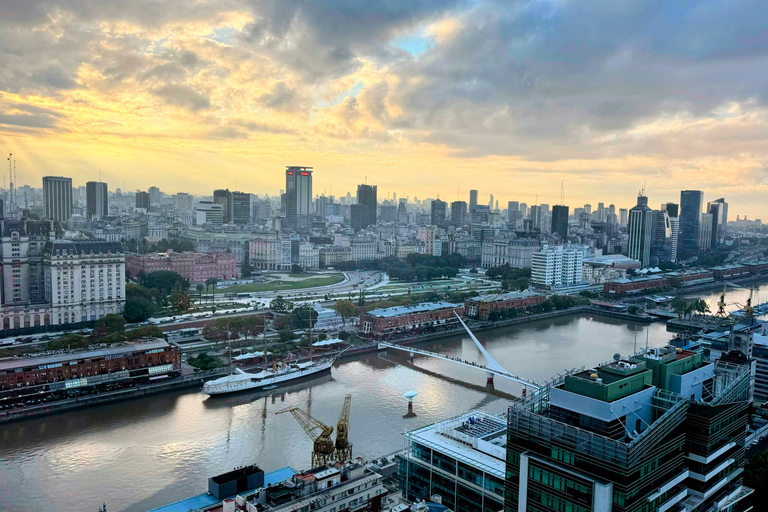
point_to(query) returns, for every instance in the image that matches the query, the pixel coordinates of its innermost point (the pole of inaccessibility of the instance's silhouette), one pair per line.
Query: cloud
(182, 96)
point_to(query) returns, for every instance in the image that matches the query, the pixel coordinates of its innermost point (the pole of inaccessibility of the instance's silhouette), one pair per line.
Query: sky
(426, 98)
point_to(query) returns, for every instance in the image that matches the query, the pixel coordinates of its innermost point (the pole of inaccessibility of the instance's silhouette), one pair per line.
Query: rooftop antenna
(562, 193)
(10, 177)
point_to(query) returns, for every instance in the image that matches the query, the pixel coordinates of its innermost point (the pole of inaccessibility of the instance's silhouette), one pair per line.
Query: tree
(701, 307)
(115, 337)
(345, 309)
(302, 317)
(280, 305)
(634, 310)
(679, 306)
(247, 269)
(296, 269)
(166, 281)
(286, 335)
(112, 323)
(200, 288)
(145, 331)
(181, 301)
(67, 342)
(756, 476)
(139, 304)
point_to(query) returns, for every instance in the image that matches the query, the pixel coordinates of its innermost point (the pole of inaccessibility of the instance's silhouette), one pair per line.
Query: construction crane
(343, 446)
(749, 310)
(721, 305)
(323, 450)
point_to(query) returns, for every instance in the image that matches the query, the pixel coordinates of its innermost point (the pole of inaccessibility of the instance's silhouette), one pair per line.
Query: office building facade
(142, 200)
(96, 200)
(640, 228)
(560, 221)
(363, 213)
(438, 212)
(57, 198)
(691, 202)
(298, 198)
(472, 204)
(719, 211)
(240, 208)
(459, 213)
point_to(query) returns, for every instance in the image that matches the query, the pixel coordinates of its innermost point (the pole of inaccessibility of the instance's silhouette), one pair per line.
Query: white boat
(240, 380)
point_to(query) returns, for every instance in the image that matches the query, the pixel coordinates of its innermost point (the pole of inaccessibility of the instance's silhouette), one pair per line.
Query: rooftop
(416, 308)
(500, 297)
(74, 355)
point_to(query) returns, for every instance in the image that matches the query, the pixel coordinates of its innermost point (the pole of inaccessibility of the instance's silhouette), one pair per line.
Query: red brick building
(729, 271)
(639, 285)
(405, 318)
(482, 306)
(84, 368)
(690, 278)
(195, 267)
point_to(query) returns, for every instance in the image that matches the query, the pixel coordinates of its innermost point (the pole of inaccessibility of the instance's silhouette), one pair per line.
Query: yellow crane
(343, 446)
(323, 449)
(749, 310)
(721, 305)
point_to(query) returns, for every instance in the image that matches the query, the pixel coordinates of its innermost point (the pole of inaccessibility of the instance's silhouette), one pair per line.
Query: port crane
(323, 449)
(343, 446)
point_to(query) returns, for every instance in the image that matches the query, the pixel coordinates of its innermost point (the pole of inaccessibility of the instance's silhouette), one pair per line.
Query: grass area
(273, 286)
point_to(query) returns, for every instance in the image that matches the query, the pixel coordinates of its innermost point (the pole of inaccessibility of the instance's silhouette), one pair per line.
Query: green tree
(345, 309)
(166, 281)
(139, 304)
(247, 269)
(112, 323)
(634, 310)
(280, 305)
(286, 335)
(180, 301)
(679, 306)
(756, 476)
(115, 337)
(66, 342)
(302, 317)
(145, 331)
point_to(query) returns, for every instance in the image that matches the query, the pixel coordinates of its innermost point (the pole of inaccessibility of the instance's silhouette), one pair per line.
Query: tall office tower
(640, 226)
(472, 203)
(222, 196)
(674, 226)
(459, 213)
(672, 209)
(96, 200)
(560, 221)
(402, 211)
(363, 214)
(691, 202)
(600, 214)
(513, 206)
(611, 217)
(155, 195)
(183, 202)
(588, 209)
(142, 200)
(490, 203)
(240, 208)
(524, 209)
(438, 212)
(623, 217)
(706, 222)
(57, 198)
(719, 211)
(536, 216)
(298, 197)
(661, 237)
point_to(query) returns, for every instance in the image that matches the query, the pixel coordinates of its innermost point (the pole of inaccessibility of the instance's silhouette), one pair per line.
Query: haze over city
(420, 97)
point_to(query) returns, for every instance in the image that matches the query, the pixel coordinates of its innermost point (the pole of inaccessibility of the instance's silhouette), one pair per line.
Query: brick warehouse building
(405, 318)
(638, 285)
(482, 306)
(87, 368)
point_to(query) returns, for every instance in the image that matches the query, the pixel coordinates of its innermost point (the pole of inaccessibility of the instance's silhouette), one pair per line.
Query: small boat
(274, 386)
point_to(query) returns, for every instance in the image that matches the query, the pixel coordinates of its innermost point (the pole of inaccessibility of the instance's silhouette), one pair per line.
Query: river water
(140, 454)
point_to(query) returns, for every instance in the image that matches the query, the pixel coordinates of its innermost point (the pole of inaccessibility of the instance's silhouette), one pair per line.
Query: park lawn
(273, 286)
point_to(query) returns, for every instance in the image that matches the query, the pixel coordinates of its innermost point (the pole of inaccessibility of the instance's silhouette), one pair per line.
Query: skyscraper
(364, 212)
(672, 209)
(222, 196)
(96, 200)
(719, 211)
(438, 212)
(661, 237)
(623, 217)
(706, 222)
(239, 208)
(560, 221)
(691, 202)
(142, 200)
(640, 227)
(298, 197)
(472, 203)
(57, 198)
(459, 213)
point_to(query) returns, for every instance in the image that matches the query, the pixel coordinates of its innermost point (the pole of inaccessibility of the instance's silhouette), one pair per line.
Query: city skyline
(233, 92)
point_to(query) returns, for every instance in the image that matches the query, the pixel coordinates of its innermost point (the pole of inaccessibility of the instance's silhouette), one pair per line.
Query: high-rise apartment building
(298, 197)
(706, 222)
(183, 202)
(623, 217)
(719, 211)
(96, 200)
(459, 213)
(239, 208)
(438, 212)
(142, 200)
(640, 227)
(661, 237)
(691, 202)
(364, 212)
(472, 204)
(57, 198)
(560, 221)
(557, 267)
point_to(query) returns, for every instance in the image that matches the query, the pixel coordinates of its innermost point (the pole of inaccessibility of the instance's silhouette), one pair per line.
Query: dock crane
(721, 305)
(343, 446)
(323, 449)
(749, 310)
